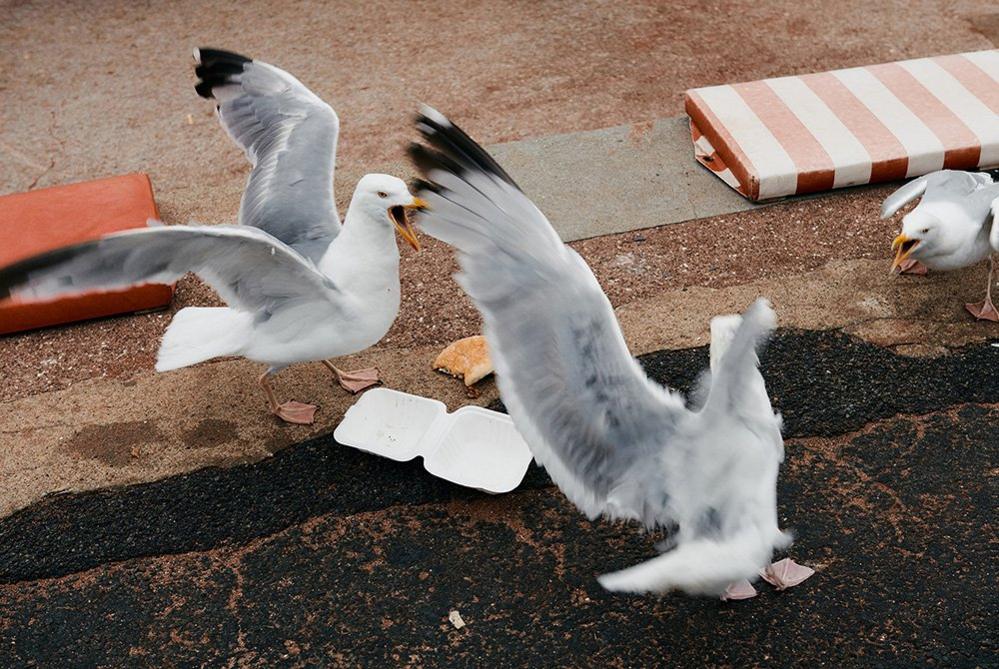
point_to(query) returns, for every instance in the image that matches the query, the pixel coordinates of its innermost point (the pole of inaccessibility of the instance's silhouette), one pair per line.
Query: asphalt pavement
(326, 555)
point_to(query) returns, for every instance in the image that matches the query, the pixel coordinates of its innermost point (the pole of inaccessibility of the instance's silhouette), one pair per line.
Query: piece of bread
(466, 359)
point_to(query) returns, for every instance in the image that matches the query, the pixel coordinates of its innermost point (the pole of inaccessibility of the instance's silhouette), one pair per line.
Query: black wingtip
(451, 141)
(418, 185)
(204, 89)
(216, 67)
(13, 277)
(18, 274)
(209, 56)
(426, 160)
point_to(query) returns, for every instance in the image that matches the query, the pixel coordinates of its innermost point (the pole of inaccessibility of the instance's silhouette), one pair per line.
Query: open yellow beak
(400, 218)
(903, 247)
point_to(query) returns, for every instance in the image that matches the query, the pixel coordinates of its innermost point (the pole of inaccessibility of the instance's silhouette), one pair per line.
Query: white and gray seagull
(616, 443)
(299, 286)
(953, 226)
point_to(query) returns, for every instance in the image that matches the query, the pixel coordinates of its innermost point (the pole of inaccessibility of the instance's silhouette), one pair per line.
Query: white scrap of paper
(456, 620)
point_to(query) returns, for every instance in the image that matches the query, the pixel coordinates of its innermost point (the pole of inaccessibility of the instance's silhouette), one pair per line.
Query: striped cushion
(814, 132)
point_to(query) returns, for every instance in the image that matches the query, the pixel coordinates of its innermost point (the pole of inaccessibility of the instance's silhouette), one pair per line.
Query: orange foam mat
(813, 132)
(45, 219)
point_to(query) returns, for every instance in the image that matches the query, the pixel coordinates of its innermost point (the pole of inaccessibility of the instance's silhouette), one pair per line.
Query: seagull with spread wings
(953, 226)
(617, 444)
(299, 286)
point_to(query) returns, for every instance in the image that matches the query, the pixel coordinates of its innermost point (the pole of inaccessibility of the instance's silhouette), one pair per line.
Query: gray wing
(250, 269)
(589, 413)
(941, 185)
(737, 388)
(729, 473)
(289, 136)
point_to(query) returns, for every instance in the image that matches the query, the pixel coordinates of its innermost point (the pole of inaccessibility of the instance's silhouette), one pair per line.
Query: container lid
(473, 446)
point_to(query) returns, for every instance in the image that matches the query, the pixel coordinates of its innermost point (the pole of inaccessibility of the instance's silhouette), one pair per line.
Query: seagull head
(386, 198)
(921, 233)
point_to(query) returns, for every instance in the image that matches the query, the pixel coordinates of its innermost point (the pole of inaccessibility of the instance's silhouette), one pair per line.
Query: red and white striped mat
(809, 133)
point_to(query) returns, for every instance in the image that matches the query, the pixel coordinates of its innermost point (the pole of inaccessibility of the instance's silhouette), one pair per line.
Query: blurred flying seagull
(615, 442)
(951, 227)
(299, 287)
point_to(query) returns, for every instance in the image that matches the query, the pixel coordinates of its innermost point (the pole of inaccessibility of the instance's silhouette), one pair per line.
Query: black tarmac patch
(324, 553)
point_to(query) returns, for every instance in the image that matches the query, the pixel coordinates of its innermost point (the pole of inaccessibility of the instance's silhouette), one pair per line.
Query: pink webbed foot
(915, 267)
(986, 311)
(739, 590)
(785, 573)
(359, 379)
(296, 413)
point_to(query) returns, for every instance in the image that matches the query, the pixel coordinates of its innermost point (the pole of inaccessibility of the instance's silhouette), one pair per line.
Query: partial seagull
(951, 227)
(615, 442)
(289, 136)
(299, 288)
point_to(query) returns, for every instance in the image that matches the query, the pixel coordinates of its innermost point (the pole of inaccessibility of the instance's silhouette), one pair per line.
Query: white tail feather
(197, 334)
(700, 567)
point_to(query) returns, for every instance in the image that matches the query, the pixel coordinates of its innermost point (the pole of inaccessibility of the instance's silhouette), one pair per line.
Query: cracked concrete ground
(166, 520)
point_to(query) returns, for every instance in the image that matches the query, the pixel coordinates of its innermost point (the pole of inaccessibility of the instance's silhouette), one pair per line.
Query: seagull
(951, 227)
(299, 286)
(616, 443)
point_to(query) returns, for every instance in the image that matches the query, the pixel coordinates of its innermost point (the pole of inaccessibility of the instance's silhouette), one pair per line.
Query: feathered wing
(737, 387)
(725, 481)
(289, 135)
(584, 405)
(251, 270)
(615, 442)
(944, 184)
(903, 196)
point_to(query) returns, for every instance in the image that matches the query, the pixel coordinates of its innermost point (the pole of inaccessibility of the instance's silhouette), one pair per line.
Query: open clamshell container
(473, 447)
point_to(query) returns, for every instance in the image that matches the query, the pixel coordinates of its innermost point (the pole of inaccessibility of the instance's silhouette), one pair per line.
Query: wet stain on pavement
(211, 433)
(114, 444)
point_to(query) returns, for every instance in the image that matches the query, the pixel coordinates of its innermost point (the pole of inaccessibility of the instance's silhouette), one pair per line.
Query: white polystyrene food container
(473, 447)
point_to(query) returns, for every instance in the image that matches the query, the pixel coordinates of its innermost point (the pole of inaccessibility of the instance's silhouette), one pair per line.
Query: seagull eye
(382, 194)
(925, 230)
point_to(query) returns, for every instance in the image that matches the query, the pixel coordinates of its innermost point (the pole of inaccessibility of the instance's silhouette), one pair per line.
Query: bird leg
(289, 412)
(911, 266)
(986, 311)
(785, 573)
(354, 381)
